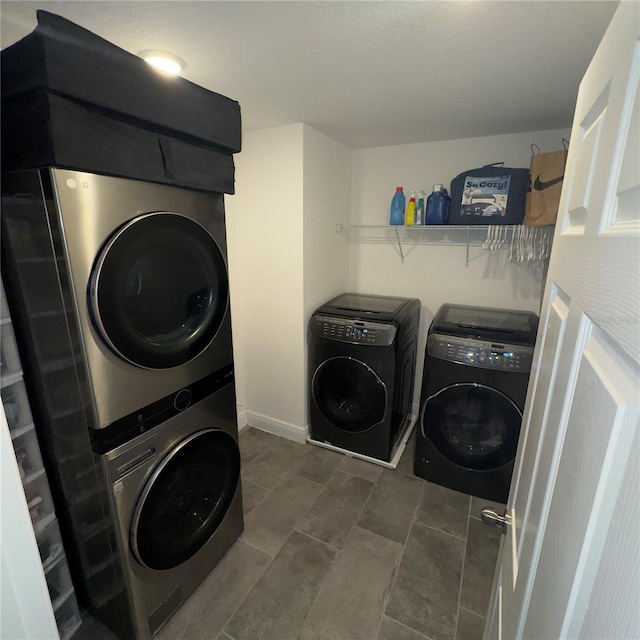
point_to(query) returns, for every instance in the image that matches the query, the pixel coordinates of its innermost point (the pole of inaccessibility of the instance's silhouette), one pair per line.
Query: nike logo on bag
(538, 185)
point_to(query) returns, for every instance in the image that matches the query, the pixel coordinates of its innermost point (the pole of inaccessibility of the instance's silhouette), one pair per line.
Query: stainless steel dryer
(142, 269)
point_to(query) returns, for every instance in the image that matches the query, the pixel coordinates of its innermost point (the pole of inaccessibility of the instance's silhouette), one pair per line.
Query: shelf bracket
(466, 264)
(399, 245)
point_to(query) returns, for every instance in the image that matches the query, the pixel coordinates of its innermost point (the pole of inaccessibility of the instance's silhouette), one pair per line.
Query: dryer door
(159, 290)
(185, 500)
(472, 425)
(349, 394)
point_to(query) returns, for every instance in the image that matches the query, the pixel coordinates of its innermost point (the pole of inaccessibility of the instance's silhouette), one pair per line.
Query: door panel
(528, 469)
(584, 177)
(609, 593)
(604, 395)
(627, 203)
(582, 412)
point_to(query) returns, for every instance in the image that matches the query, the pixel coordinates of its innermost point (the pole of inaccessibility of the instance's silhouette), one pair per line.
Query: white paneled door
(569, 564)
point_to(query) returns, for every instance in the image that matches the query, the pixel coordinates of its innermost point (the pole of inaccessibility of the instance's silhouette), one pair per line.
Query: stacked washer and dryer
(116, 277)
(122, 293)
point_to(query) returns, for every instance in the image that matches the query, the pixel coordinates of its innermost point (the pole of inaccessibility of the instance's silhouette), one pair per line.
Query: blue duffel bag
(492, 194)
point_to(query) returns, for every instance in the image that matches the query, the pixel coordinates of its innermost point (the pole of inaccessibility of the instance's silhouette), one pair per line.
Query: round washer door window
(349, 394)
(474, 426)
(159, 290)
(185, 500)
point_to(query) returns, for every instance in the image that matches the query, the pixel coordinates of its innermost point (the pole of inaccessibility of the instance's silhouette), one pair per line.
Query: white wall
(293, 184)
(327, 202)
(285, 258)
(265, 246)
(437, 274)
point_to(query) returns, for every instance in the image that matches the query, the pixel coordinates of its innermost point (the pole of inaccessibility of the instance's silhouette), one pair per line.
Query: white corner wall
(293, 185)
(436, 273)
(327, 203)
(285, 258)
(264, 236)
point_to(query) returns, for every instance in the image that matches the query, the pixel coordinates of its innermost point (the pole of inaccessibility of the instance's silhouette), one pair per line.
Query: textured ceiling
(367, 73)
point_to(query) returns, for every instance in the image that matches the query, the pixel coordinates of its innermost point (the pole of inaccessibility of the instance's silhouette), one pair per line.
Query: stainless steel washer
(176, 499)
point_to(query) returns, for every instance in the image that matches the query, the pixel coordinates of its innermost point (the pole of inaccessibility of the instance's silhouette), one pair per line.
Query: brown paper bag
(547, 173)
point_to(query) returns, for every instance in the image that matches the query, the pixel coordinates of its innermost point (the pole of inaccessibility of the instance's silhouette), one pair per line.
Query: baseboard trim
(242, 421)
(277, 427)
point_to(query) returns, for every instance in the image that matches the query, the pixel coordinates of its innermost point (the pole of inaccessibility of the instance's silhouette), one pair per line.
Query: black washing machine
(362, 363)
(476, 371)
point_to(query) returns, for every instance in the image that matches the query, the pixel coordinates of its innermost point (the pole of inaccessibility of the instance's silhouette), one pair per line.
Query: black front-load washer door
(185, 500)
(159, 290)
(349, 394)
(472, 425)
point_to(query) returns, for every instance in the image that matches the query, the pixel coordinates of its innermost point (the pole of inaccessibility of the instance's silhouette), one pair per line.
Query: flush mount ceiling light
(165, 62)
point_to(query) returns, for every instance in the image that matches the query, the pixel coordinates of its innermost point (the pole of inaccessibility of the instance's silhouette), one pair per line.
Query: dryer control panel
(478, 353)
(354, 331)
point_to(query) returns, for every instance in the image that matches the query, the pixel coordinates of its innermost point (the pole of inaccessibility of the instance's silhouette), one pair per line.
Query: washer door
(349, 394)
(472, 425)
(159, 290)
(185, 500)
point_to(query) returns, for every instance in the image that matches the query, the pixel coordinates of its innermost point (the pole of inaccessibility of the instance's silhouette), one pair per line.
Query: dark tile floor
(335, 548)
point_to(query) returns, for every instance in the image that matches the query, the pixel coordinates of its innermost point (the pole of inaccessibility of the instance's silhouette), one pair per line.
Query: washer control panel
(479, 353)
(354, 331)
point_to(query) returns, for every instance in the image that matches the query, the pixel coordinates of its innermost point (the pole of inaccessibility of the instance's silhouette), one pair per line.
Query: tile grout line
(271, 555)
(268, 564)
(397, 570)
(326, 544)
(256, 505)
(409, 628)
(444, 533)
(270, 489)
(464, 560)
(293, 473)
(235, 610)
(364, 504)
(331, 546)
(473, 613)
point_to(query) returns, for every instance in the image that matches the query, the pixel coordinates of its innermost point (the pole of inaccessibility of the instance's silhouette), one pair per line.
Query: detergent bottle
(438, 205)
(420, 208)
(410, 217)
(398, 203)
